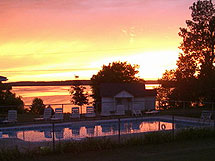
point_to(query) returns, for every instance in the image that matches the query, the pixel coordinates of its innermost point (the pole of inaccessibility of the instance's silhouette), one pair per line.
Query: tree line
(194, 78)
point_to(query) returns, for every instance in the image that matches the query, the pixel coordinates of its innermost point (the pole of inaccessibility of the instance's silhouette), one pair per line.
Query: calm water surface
(52, 95)
(83, 131)
(49, 95)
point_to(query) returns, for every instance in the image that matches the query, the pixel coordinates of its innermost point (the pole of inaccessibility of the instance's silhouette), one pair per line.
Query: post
(23, 134)
(81, 109)
(159, 125)
(53, 137)
(213, 116)
(173, 127)
(62, 106)
(119, 130)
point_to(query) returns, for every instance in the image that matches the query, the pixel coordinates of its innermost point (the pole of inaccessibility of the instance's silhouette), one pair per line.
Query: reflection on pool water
(66, 131)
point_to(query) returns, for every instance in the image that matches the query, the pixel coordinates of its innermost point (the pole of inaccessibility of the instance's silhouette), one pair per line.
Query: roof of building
(136, 89)
(3, 78)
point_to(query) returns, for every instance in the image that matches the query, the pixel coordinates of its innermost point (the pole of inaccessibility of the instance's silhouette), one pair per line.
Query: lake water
(49, 95)
(53, 95)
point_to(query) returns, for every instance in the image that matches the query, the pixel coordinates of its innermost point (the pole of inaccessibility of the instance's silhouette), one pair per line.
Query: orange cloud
(54, 35)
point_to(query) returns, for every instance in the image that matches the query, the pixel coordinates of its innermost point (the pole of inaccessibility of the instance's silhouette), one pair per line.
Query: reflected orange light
(76, 132)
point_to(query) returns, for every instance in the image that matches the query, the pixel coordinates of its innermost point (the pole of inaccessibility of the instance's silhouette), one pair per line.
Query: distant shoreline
(62, 83)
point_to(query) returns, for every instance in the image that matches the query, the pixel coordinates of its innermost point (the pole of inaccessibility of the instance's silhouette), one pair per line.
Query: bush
(89, 144)
(16, 155)
(9, 100)
(194, 134)
(37, 106)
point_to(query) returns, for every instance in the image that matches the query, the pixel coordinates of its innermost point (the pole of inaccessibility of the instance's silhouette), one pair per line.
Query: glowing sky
(57, 39)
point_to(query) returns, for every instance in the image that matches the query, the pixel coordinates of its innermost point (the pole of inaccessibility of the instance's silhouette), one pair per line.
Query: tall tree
(198, 44)
(195, 73)
(115, 72)
(199, 36)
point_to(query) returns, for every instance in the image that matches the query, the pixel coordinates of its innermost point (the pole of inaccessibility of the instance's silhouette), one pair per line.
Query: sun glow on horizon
(152, 65)
(55, 40)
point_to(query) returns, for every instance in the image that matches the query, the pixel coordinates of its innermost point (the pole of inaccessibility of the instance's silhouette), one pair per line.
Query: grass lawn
(200, 150)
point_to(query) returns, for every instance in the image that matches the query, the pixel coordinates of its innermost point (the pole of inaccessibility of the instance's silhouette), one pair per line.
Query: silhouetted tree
(37, 106)
(9, 100)
(199, 36)
(164, 92)
(115, 72)
(195, 74)
(79, 95)
(197, 59)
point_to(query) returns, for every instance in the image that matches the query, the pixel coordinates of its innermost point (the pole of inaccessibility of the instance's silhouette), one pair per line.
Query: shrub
(37, 106)
(89, 144)
(194, 133)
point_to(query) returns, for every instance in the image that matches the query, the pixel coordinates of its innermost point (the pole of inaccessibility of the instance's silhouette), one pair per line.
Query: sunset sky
(57, 39)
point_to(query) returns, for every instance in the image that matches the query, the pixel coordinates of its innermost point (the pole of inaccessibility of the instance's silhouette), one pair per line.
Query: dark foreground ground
(200, 150)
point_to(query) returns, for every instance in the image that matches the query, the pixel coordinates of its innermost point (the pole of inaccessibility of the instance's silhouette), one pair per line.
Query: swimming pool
(79, 130)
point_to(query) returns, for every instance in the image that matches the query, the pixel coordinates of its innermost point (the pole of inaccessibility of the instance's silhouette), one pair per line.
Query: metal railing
(52, 134)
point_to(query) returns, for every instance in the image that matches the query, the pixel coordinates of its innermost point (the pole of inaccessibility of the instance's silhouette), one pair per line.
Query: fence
(184, 104)
(52, 134)
(129, 104)
(28, 135)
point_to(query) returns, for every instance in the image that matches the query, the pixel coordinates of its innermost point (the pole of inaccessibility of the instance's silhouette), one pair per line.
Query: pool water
(66, 131)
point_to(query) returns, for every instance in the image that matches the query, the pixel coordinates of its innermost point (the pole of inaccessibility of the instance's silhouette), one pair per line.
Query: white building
(127, 97)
